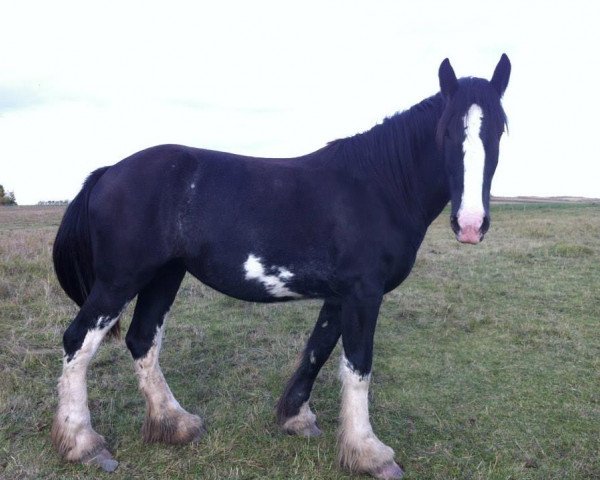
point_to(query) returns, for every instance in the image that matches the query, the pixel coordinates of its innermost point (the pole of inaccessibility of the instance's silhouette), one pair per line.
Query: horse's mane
(391, 148)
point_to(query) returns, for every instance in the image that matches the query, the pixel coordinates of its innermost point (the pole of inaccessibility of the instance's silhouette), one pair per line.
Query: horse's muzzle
(470, 229)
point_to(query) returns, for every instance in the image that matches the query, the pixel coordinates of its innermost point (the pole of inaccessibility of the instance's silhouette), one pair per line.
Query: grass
(487, 363)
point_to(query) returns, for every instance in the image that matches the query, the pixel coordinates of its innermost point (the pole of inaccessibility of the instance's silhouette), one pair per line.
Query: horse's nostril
(454, 224)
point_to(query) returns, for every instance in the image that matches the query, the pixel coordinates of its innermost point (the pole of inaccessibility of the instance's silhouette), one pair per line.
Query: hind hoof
(175, 428)
(304, 424)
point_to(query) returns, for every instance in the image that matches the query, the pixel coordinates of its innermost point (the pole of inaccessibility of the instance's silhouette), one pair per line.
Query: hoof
(306, 431)
(103, 460)
(389, 471)
(304, 424)
(81, 446)
(175, 428)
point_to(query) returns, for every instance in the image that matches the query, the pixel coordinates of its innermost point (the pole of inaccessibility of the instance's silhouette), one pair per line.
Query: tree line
(7, 198)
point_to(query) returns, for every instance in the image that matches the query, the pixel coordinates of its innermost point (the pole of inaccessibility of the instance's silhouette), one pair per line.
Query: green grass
(487, 363)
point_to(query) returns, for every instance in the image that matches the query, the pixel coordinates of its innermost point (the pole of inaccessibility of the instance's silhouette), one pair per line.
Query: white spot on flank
(471, 207)
(312, 357)
(284, 273)
(193, 185)
(101, 320)
(325, 324)
(274, 284)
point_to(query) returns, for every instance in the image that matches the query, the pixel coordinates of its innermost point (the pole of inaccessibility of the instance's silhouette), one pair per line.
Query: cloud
(85, 85)
(19, 97)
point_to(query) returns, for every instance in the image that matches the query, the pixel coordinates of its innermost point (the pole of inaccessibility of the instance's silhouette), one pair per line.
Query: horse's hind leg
(293, 411)
(165, 420)
(72, 432)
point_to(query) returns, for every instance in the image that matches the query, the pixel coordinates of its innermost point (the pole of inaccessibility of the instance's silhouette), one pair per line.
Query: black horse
(343, 224)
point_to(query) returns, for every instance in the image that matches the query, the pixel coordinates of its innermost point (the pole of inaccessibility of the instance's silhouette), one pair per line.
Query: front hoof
(103, 460)
(389, 471)
(175, 428)
(367, 455)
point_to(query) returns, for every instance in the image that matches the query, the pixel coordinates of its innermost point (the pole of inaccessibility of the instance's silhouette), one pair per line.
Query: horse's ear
(448, 81)
(501, 75)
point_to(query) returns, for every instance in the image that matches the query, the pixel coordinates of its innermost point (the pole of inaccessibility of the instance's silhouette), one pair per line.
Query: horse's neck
(399, 157)
(431, 192)
(407, 162)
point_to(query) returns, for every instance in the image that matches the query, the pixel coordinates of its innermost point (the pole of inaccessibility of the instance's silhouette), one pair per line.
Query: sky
(85, 84)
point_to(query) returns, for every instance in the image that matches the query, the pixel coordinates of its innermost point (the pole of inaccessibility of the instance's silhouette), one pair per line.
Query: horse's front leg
(293, 411)
(359, 448)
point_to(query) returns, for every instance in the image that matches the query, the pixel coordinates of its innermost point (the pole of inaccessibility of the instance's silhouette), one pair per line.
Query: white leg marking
(359, 448)
(471, 206)
(152, 383)
(304, 424)
(72, 431)
(166, 420)
(274, 284)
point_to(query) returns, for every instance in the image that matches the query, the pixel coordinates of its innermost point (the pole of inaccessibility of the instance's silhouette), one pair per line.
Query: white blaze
(471, 210)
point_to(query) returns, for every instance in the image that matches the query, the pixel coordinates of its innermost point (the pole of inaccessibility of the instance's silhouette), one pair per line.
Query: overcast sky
(84, 85)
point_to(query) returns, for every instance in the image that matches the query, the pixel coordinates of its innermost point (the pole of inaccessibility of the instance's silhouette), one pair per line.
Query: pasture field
(487, 363)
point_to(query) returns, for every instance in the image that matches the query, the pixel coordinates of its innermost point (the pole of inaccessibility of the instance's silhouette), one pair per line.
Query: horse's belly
(256, 279)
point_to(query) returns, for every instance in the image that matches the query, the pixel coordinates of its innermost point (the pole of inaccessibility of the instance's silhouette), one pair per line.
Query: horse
(342, 224)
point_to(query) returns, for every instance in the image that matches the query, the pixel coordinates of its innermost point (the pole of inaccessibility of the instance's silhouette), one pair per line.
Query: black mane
(391, 149)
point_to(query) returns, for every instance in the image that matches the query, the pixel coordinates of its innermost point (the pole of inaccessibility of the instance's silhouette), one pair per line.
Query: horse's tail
(72, 251)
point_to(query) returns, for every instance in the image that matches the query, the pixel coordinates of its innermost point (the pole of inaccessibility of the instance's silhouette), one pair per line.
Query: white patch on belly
(471, 210)
(274, 284)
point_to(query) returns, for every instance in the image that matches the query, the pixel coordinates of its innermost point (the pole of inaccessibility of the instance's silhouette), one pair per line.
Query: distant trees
(7, 198)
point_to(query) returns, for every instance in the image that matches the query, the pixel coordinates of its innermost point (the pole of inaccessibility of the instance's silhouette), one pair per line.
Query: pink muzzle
(470, 228)
(470, 235)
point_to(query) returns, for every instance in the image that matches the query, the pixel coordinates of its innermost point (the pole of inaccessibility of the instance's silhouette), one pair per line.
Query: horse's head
(468, 135)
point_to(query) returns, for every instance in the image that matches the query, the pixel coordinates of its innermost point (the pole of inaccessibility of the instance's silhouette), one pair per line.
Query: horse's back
(256, 229)
(218, 212)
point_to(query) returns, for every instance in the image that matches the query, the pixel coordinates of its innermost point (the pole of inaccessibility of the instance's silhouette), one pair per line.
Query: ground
(487, 362)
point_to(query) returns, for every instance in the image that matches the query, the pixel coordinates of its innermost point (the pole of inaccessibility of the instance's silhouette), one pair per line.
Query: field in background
(487, 362)
(547, 200)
